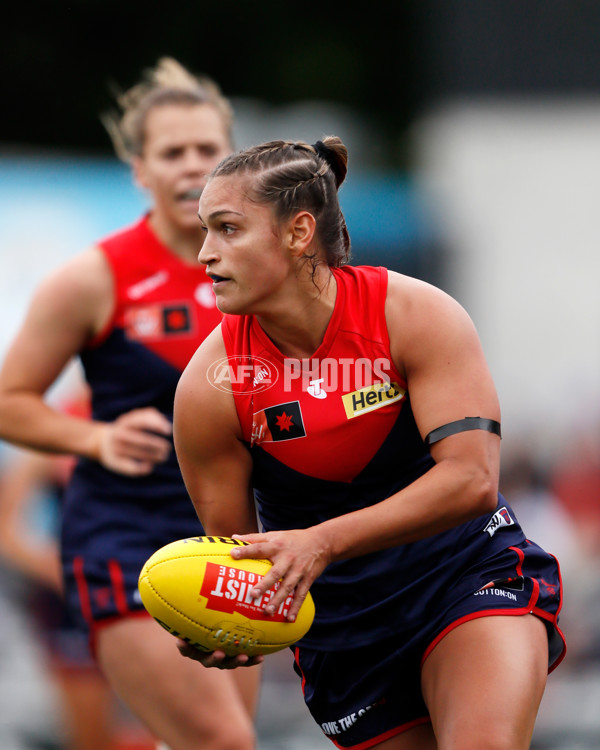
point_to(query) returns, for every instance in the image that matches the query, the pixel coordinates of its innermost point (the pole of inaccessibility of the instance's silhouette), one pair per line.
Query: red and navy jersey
(336, 433)
(164, 309)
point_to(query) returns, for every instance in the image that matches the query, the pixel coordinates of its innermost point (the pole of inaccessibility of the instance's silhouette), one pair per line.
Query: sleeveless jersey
(164, 309)
(334, 434)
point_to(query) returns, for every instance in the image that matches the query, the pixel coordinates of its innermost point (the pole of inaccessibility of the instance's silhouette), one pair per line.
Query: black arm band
(463, 425)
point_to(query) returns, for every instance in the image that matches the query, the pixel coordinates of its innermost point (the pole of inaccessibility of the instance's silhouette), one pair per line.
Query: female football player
(134, 308)
(361, 415)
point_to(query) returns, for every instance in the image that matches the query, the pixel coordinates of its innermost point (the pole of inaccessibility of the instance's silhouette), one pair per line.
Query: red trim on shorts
(466, 618)
(116, 578)
(554, 618)
(385, 736)
(97, 625)
(541, 613)
(521, 555)
(560, 583)
(84, 601)
(297, 660)
(82, 590)
(531, 608)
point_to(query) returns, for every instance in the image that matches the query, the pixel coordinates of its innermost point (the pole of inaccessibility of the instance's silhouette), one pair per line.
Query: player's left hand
(299, 556)
(218, 659)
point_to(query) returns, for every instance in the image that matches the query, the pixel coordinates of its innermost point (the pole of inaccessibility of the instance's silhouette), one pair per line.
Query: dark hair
(168, 83)
(294, 176)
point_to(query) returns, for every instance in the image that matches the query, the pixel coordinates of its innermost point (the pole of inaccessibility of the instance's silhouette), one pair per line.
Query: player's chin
(228, 303)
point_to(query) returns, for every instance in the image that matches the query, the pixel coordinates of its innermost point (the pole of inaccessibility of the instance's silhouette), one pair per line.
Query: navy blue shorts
(364, 696)
(104, 547)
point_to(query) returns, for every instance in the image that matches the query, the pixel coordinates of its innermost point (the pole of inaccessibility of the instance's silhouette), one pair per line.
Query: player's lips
(216, 279)
(193, 194)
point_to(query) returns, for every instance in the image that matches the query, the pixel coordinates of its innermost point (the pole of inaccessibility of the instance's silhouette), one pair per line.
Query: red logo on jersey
(176, 319)
(228, 590)
(281, 422)
(157, 321)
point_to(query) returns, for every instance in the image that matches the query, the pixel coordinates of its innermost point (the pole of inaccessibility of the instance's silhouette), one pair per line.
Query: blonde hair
(167, 83)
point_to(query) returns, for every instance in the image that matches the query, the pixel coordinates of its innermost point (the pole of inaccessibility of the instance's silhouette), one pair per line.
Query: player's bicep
(451, 381)
(215, 464)
(438, 349)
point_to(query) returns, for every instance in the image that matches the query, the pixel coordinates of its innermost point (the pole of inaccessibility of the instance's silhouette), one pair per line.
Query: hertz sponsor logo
(371, 397)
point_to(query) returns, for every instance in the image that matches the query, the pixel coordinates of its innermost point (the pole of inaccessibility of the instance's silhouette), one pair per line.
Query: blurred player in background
(370, 435)
(31, 489)
(134, 308)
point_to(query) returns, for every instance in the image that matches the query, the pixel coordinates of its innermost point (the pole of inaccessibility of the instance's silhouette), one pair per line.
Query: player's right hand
(135, 442)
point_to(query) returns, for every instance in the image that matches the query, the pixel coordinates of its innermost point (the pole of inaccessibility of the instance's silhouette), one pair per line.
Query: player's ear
(139, 172)
(301, 232)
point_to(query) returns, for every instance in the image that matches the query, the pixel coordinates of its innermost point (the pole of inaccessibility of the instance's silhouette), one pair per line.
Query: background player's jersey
(334, 434)
(164, 309)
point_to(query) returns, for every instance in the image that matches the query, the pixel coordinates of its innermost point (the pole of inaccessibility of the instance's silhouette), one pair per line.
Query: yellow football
(198, 592)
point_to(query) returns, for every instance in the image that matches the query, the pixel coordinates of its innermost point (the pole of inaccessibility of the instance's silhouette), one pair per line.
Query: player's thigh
(142, 663)
(484, 681)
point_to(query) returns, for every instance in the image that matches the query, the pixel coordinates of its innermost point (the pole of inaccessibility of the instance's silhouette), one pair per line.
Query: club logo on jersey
(242, 373)
(176, 319)
(371, 397)
(205, 296)
(275, 423)
(500, 518)
(157, 321)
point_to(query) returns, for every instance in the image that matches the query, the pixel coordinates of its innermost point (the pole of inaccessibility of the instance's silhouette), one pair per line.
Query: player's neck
(296, 327)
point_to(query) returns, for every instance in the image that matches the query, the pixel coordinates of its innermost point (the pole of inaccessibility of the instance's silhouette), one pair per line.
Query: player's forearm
(446, 496)
(26, 420)
(222, 518)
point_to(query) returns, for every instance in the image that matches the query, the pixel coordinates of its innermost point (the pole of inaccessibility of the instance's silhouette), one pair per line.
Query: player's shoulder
(212, 348)
(419, 300)
(85, 278)
(195, 375)
(421, 317)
